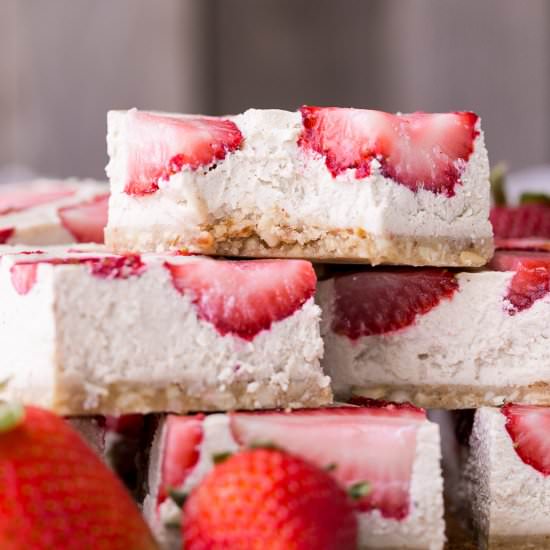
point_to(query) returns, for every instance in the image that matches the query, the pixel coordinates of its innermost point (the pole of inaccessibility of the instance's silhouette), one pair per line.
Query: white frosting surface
(502, 350)
(274, 182)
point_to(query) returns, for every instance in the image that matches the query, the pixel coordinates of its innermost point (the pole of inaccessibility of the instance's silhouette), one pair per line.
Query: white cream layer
(467, 340)
(273, 182)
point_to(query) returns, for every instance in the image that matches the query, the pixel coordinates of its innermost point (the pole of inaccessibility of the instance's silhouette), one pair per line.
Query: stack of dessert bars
(204, 306)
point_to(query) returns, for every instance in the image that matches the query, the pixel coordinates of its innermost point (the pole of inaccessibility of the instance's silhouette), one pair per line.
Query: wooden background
(64, 63)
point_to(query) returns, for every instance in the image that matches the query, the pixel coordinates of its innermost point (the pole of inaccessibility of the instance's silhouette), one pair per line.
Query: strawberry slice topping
(530, 283)
(23, 273)
(533, 244)
(15, 200)
(529, 428)
(419, 151)
(512, 260)
(5, 234)
(160, 145)
(374, 444)
(377, 302)
(181, 451)
(526, 221)
(85, 221)
(244, 297)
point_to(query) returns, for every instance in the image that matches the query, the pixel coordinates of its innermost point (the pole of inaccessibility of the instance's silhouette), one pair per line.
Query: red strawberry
(23, 277)
(182, 439)
(85, 221)
(23, 273)
(18, 199)
(529, 428)
(528, 286)
(377, 302)
(160, 145)
(531, 281)
(56, 493)
(419, 150)
(511, 260)
(526, 221)
(532, 244)
(244, 297)
(5, 234)
(374, 444)
(265, 498)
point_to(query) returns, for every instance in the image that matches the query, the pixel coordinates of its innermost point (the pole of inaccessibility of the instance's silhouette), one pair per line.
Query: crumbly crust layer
(336, 245)
(458, 396)
(127, 397)
(533, 542)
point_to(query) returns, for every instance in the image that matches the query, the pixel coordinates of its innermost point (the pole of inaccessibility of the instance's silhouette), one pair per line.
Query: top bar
(328, 184)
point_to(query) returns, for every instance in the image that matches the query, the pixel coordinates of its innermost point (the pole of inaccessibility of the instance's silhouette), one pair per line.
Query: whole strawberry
(56, 493)
(266, 498)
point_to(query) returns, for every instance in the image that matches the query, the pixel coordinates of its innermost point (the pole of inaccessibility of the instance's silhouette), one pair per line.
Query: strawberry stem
(218, 458)
(11, 415)
(534, 198)
(498, 184)
(269, 445)
(179, 497)
(359, 490)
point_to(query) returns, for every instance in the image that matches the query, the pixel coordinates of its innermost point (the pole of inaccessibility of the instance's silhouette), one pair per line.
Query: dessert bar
(441, 339)
(327, 184)
(47, 211)
(392, 447)
(88, 332)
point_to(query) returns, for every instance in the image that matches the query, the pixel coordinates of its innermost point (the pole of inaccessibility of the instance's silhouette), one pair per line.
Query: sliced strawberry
(511, 260)
(529, 428)
(377, 302)
(182, 439)
(375, 444)
(15, 200)
(531, 281)
(85, 221)
(159, 146)
(23, 273)
(5, 234)
(23, 277)
(520, 222)
(419, 150)
(115, 267)
(244, 297)
(533, 244)
(527, 286)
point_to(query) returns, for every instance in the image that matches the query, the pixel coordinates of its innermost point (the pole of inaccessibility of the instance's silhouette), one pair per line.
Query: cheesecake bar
(441, 339)
(505, 487)
(47, 211)
(327, 184)
(96, 333)
(392, 447)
